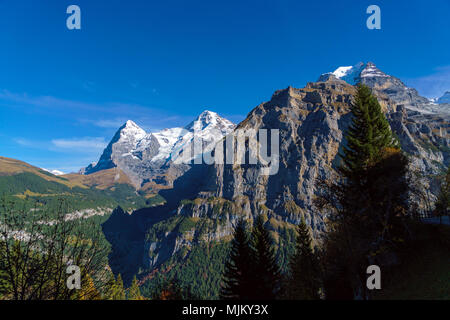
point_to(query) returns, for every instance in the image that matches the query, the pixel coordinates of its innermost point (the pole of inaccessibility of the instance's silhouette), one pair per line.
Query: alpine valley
(167, 220)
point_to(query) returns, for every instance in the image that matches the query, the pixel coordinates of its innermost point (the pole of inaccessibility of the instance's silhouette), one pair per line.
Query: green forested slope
(29, 186)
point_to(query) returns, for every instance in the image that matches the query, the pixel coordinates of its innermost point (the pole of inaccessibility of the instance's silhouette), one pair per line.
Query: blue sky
(63, 93)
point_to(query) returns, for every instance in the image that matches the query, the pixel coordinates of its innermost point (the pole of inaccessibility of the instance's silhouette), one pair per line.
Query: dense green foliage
(133, 292)
(200, 257)
(238, 271)
(443, 202)
(266, 275)
(27, 185)
(367, 135)
(19, 183)
(196, 271)
(252, 271)
(118, 289)
(368, 201)
(304, 280)
(37, 246)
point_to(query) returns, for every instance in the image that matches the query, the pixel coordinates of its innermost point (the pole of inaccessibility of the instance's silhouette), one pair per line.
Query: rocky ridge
(147, 158)
(311, 123)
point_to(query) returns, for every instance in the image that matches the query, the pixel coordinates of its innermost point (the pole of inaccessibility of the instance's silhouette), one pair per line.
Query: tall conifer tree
(120, 290)
(443, 201)
(369, 201)
(266, 275)
(237, 274)
(134, 293)
(115, 289)
(368, 134)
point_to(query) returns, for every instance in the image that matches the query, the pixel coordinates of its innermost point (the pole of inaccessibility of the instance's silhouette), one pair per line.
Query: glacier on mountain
(148, 157)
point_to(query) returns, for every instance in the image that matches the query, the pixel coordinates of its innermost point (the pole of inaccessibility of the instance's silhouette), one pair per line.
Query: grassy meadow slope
(21, 181)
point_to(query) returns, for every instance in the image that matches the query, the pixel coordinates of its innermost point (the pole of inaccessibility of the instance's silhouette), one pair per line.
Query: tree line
(252, 272)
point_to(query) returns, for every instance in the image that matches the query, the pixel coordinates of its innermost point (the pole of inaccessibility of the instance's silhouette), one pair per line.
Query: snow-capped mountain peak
(384, 85)
(208, 119)
(370, 70)
(131, 130)
(140, 154)
(350, 74)
(131, 123)
(341, 71)
(354, 74)
(208, 126)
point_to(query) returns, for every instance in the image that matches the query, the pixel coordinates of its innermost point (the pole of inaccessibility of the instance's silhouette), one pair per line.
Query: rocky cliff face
(312, 122)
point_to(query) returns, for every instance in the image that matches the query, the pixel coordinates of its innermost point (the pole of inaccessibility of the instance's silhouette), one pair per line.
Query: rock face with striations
(312, 122)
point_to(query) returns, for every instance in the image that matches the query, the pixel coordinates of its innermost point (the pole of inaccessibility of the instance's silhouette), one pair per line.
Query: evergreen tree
(304, 280)
(265, 277)
(115, 289)
(368, 200)
(171, 290)
(110, 287)
(374, 171)
(88, 290)
(443, 201)
(236, 278)
(368, 134)
(133, 292)
(120, 290)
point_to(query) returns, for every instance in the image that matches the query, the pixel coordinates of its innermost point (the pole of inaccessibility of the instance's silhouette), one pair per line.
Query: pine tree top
(368, 134)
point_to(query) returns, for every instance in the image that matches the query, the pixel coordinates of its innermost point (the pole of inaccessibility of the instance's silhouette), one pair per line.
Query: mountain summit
(384, 85)
(350, 74)
(355, 74)
(146, 158)
(208, 119)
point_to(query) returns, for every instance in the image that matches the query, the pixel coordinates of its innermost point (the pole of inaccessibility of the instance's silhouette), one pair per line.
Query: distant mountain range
(147, 158)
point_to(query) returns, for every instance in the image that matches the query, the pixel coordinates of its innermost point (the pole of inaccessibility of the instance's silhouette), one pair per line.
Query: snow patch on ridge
(341, 71)
(134, 141)
(55, 172)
